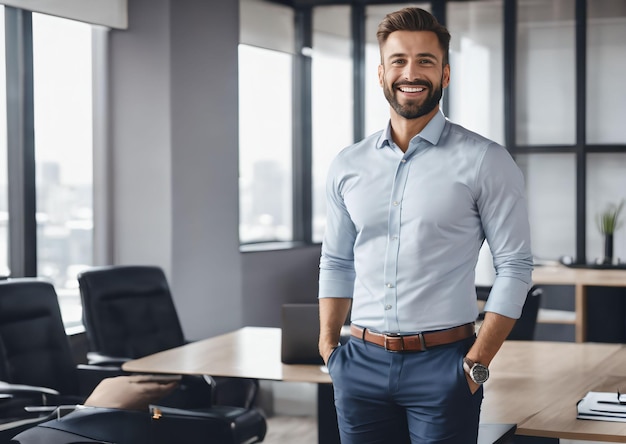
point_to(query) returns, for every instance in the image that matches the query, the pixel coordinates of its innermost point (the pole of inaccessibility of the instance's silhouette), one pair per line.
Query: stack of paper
(602, 406)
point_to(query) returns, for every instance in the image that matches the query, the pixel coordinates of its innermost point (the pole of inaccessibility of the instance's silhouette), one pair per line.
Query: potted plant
(608, 222)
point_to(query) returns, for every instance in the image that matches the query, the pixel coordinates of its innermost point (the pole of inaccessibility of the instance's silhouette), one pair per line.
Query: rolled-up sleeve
(337, 274)
(504, 215)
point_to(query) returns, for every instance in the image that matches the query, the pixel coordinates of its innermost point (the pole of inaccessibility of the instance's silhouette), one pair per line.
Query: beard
(413, 109)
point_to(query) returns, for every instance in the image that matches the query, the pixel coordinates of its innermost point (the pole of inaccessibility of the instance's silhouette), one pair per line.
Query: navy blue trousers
(384, 397)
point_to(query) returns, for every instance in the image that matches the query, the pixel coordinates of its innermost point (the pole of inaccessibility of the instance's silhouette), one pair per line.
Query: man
(408, 210)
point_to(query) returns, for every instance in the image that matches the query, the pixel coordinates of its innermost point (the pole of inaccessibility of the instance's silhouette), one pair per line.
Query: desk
(581, 279)
(528, 378)
(536, 384)
(558, 420)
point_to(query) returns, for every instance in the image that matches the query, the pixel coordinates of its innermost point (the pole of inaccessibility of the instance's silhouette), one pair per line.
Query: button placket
(393, 246)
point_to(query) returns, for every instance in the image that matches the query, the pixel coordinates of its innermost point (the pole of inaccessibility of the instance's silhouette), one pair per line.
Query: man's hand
(472, 385)
(333, 314)
(325, 351)
(134, 392)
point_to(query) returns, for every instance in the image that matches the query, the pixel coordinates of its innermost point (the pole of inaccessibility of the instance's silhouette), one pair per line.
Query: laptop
(300, 332)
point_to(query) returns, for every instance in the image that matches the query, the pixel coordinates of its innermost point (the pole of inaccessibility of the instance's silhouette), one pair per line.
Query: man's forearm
(493, 331)
(333, 314)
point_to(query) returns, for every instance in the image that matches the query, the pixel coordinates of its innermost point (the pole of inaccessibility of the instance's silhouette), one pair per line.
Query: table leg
(581, 312)
(327, 430)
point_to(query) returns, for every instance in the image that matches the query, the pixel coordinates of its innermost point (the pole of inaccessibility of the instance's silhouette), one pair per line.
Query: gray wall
(174, 153)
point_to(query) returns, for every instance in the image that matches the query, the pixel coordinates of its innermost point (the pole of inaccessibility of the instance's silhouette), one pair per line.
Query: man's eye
(426, 62)
(397, 62)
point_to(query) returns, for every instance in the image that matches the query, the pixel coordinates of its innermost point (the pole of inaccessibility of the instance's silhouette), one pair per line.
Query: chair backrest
(34, 349)
(128, 311)
(524, 328)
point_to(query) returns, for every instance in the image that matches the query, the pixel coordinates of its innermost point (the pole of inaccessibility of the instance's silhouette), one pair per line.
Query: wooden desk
(251, 352)
(581, 279)
(527, 377)
(558, 420)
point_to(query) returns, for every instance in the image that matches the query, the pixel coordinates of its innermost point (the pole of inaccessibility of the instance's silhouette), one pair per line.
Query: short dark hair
(414, 19)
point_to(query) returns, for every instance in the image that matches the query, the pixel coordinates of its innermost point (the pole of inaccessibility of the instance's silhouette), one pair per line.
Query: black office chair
(128, 313)
(524, 328)
(34, 349)
(36, 363)
(37, 368)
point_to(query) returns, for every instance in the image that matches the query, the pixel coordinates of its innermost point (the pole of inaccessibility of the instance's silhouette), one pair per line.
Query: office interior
(541, 77)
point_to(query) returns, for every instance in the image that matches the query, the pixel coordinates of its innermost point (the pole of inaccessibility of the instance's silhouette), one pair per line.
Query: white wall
(173, 98)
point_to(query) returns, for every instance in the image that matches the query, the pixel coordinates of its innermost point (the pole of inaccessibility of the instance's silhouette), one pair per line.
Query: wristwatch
(478, 372)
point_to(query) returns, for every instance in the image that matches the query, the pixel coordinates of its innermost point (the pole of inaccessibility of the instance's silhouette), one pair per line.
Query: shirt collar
(431, 132)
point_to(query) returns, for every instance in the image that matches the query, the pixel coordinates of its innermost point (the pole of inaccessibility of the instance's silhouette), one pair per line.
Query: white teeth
(411, 90)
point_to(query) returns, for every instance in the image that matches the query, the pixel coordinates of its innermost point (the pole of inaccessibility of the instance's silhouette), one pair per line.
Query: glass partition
(475, 95)
(606, 185)
(551, 190)
(546, 73)
(606, 64)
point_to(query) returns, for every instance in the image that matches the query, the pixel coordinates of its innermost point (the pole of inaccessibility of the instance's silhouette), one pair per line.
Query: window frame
(302, 112)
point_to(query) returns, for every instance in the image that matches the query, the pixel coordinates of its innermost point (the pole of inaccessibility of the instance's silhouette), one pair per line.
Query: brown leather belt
(418, 342)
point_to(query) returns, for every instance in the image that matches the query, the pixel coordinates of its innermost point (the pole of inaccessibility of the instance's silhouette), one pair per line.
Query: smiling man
(408, 210)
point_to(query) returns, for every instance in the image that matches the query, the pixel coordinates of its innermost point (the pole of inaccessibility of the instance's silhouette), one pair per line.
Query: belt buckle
(393, 335)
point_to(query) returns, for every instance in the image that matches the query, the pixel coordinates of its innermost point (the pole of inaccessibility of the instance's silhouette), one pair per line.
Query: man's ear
(445, 78)
(381, 74)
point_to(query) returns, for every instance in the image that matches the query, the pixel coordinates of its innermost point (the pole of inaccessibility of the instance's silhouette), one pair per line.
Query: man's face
(412, 73)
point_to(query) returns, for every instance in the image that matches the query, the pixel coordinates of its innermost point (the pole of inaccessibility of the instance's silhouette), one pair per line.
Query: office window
(550, 184)
(475, 95)
(606, 184)
(332, 101)
(606, 63)
(376, 106)
(266, 51)
(265, 145)
(4, 193)
(62, 83)
(546, 73)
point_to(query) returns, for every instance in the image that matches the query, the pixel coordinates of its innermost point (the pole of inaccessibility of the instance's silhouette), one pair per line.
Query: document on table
(602, 406)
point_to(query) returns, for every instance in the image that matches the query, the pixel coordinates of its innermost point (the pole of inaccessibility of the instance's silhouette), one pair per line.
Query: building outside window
(62, 84)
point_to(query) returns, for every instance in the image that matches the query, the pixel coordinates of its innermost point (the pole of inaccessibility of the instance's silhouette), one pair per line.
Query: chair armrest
(25, 390)
(97, 358)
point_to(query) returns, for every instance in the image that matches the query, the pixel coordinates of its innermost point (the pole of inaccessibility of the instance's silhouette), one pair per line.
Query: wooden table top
(537, 385)
(250, 352)
(529, 376)
(562, 275)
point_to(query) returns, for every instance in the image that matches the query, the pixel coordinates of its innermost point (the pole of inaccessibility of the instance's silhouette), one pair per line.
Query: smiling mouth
(410, 89)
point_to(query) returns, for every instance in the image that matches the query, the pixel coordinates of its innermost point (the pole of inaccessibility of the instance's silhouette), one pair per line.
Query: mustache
(425, 83)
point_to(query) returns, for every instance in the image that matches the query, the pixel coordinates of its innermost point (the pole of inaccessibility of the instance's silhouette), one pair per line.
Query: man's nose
(411, 72)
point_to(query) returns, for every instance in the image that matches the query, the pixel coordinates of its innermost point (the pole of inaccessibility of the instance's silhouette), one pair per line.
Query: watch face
(479, 373)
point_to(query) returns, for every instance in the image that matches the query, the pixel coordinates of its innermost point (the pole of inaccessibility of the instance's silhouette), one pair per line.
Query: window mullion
(20, 143)
(302, 135)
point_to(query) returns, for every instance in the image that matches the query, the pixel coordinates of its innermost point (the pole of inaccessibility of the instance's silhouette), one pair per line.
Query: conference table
(533, 384)
(581, 279)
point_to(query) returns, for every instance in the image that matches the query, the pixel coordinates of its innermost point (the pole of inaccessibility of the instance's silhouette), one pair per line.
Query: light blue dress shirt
(404, 230)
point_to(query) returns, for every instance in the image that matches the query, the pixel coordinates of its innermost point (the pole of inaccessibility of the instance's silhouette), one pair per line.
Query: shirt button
(389, 285)
(387, 307)
(403, 161)
(396, 203)
(394, 237)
